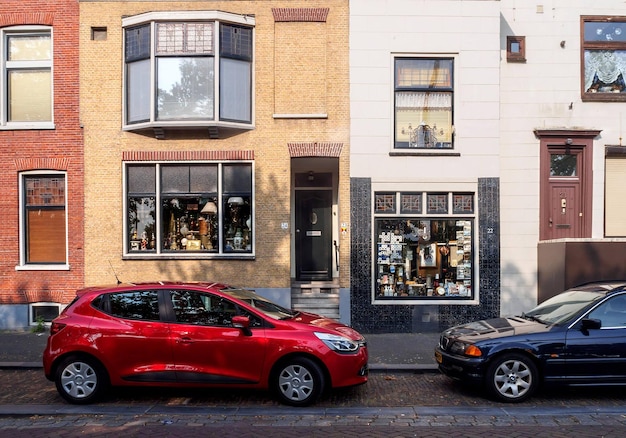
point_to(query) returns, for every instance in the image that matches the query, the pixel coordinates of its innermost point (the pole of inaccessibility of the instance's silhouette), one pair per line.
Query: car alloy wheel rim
(79, 380)
(296, 382)
(513, 379)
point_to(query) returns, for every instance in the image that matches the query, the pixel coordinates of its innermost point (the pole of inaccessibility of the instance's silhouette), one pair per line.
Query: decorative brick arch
(23, 164)
(315, 149)
(23, 18)
(300, 14)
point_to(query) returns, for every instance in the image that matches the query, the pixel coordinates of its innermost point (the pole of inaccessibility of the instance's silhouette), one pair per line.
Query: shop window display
(421, 258)
(191, 213)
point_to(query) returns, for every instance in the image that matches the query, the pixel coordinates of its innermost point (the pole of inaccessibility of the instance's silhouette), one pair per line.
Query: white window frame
(31, 311)
(23, 264)
(217, 17)
(158, 252)
(6, 65)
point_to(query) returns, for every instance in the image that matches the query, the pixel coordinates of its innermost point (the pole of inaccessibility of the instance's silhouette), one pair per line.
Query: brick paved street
(398, 404)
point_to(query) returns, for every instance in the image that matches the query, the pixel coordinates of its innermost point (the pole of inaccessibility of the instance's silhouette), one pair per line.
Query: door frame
(557, 140)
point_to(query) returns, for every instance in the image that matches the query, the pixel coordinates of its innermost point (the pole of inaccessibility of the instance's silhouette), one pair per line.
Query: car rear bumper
(468, 370)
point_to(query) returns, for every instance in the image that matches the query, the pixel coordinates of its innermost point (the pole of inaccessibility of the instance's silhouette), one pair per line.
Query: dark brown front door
(313, 234)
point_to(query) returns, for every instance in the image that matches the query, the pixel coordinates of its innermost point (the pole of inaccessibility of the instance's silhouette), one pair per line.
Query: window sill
(422, 153)
(43, 267)
(426, 301)
(300, 116)
(189, 257)
(28, 126)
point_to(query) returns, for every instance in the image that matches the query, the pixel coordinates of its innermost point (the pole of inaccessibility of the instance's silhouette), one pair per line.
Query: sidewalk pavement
(388, 351)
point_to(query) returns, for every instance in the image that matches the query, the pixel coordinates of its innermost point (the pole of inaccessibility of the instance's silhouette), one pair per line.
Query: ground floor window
(421, 254)
(189, 208)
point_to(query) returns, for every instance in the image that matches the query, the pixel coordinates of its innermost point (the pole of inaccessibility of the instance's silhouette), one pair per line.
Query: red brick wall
(56, 149)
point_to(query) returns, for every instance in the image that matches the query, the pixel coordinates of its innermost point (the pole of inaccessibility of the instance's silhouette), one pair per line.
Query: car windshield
(563, 307)
(264, 305)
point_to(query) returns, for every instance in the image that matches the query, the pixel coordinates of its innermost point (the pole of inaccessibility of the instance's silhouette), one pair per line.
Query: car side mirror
(591, 323)
(243, 323)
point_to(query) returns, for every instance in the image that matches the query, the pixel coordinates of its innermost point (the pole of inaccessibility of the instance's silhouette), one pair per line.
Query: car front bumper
(466, 369)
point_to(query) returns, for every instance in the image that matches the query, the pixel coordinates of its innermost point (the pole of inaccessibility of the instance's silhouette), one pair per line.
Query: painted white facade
(497, 107)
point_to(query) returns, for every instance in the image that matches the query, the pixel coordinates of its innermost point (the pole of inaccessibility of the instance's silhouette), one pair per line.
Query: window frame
(469, 295)
(591, 45)
(219, 19)
(519, 55)
(430, 136)
(24, 263)
(24, 65)
(221, 242)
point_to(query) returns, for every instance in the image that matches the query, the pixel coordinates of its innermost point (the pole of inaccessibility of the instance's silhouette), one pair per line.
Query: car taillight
(56, 327)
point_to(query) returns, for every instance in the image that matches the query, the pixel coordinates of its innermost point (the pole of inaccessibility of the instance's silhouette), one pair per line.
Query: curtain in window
(607, 65)
(423, 100)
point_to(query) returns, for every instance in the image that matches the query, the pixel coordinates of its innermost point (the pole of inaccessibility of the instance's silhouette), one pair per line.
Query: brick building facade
(41, 169)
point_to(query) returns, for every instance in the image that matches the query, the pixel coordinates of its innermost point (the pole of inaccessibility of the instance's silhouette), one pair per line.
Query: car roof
(110, 288)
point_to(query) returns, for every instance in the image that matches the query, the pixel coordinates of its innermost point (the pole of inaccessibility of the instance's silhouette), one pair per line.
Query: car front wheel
(512, 377)
(299, 382)
(80, 380)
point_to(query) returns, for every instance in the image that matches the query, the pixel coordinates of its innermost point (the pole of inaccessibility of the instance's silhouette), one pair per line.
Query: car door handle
(184, 340)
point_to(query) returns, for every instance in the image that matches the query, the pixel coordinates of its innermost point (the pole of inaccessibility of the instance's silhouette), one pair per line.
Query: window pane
(437, 203)
(385, 203)
(604, 71)
(236, 42)
(30, 95)
(563, 164)
(423, 120)
(237, 179)
(29, 47)
(410, 203)
(203, 179)
(185, 88)
(142, 305)
(184, 38)
(607, 31)
(419, 258)
(175, 179)
(424, 73)
(45, 224)
(141, 222)
(137, 43)
(141, 179)
(235, 90)
(237, 224)
(138, 91)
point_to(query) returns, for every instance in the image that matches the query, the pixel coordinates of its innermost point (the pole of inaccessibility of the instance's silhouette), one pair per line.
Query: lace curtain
(607, 65)
(410, 100)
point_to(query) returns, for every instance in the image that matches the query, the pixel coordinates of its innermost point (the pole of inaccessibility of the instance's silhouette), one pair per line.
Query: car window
(142, 305)
(612, 312)
(193, 307)
(563, 307)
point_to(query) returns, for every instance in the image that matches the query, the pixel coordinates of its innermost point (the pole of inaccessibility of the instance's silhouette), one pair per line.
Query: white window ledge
(43, 267)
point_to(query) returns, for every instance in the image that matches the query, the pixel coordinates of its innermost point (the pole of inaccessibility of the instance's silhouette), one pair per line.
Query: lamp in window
(235, 200)
(206, 224)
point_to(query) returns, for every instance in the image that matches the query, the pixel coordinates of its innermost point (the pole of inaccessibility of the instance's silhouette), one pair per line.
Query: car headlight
(465, 349)
(337, 343)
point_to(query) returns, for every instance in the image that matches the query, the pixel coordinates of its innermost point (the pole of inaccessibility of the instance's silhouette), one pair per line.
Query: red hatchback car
(198, 334)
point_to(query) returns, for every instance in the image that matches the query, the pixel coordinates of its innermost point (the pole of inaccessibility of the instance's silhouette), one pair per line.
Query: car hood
(328, 324)
(495, 328)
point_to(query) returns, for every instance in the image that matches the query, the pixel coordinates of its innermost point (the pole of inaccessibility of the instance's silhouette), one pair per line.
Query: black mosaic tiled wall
(369, 318)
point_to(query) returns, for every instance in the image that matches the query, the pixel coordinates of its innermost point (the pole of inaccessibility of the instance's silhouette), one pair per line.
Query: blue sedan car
(575, 338)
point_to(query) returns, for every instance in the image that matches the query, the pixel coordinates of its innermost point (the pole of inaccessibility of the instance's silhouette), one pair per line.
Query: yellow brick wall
(101, 115)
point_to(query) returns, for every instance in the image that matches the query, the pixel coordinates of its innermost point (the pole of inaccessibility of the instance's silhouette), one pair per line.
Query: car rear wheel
(299, 382)
(80, 380)
(512, 377)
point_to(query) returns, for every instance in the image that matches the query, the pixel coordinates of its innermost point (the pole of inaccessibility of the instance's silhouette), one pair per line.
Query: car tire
(298, 382)
(80, 379)
(512, 377)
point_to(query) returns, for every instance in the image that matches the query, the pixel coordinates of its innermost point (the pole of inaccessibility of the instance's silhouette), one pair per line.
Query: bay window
(423, 103)
(604, 58)
(189, 73)
(423, 246)
(189, 209)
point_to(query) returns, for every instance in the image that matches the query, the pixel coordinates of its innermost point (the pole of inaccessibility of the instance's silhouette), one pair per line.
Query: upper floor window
(26, 78)
(604, 58)
(423, 103)
(44, 235)
(195, 73)
(189, 209)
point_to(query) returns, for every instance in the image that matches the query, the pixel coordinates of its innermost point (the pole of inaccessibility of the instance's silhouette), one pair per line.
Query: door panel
(313, 234)
(564, 220)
